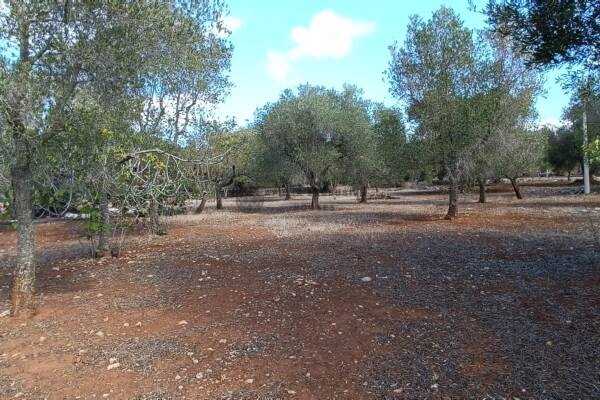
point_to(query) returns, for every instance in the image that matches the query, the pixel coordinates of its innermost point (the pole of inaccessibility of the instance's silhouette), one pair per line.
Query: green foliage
(593, 150)
(551, 32)
(323, 134)
(92, 225)
(391, 144)
(99, 82)
(519, 153)
(464, 93)
(564, 150)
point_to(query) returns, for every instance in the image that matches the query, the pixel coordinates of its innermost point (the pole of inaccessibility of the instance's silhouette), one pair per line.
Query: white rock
(366, 279)
(113, 366)
(182, 322)
(249, 380)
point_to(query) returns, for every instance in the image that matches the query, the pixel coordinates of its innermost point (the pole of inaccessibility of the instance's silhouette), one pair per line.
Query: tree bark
(569, 176)
(103, 246)
(200, 208)
(363, 193)
(23, 289)
(314, 205)
(516, 188)
(288, 195)
(155, 226)
(219, 194)
(586, 160)
(452, 199)
(481, 183)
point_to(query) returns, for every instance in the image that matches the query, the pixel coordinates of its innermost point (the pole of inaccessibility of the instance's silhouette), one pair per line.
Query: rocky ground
(378, 301)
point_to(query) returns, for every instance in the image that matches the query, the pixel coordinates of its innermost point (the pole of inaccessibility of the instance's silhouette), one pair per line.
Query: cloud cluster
(328, 36)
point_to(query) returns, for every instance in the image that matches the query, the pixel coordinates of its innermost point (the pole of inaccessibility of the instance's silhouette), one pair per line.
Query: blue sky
(280, 44)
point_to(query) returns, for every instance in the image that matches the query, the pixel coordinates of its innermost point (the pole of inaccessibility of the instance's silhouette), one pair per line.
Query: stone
(113, 366)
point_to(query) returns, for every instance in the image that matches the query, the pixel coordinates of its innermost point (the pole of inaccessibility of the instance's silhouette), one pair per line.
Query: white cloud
(230, 24)
(328, 36)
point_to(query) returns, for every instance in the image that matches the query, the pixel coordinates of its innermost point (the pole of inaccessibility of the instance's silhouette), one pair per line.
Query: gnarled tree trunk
(515, 185)
(288, 195)
(219, 195)
(315, 199)
(200, 208)
(23, 289)
(452, 198)
(363, 193)
(155, 226)
(103, 246)
(481, 183)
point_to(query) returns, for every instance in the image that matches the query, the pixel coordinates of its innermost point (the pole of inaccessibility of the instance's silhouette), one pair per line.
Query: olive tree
(518, 153)
(54, 52)
(318, 130)
(437, 73)
(391, 143)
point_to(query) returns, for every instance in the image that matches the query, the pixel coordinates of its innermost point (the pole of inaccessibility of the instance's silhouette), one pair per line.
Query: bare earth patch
(379, 301)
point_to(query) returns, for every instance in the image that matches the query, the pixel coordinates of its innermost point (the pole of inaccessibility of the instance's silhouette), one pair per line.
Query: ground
(380, 301)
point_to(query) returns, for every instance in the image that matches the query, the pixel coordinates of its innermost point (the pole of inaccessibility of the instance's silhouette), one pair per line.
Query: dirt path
(383, 301)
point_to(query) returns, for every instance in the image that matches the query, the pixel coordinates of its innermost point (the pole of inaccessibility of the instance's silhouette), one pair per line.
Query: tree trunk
(200, 208)
(452, 199)
(314, 205)
(288, 195)
(23, 289)
(219, 194)
(586, 160)
(516, 188)
(363, 194)
(569, 176)
(481, 183)
(103, 246)
(155, 226)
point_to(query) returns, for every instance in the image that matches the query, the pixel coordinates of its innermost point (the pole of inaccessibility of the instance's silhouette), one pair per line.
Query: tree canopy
(550, 32)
